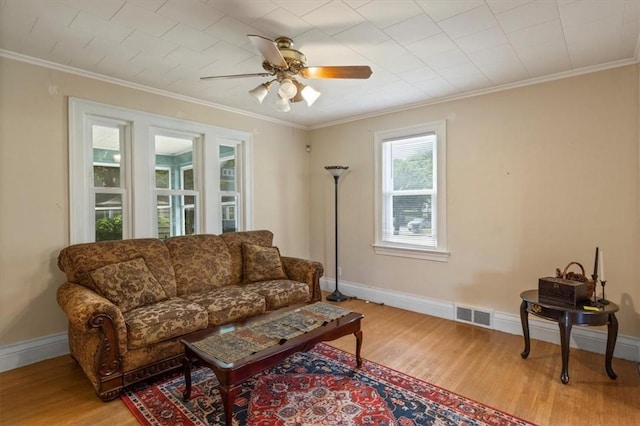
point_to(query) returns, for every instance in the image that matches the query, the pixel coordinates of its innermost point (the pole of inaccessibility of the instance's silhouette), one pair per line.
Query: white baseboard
(589, 339)
(32, 351)
(586, 338)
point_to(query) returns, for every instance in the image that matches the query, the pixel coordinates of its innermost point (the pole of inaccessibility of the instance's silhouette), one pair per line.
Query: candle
(595, 264)
(602, 278)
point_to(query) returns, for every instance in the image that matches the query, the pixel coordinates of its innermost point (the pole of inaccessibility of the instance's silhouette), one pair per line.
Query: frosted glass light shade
(310, 95)
(282, 105)
(260, 92)
(287, 89)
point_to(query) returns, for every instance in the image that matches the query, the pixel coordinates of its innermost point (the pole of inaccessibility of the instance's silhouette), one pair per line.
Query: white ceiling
(420, 51)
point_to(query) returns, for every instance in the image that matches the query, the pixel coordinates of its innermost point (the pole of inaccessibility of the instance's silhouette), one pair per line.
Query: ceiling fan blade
(257, 74)
(355, 71)
(269, 50)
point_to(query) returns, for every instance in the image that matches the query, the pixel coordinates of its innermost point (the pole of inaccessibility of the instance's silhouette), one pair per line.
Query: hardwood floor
(480, 364)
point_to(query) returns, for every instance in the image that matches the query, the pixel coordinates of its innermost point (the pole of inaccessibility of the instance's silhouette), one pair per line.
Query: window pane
(227, 168)
(189, 214)
(108, 217)
(172, 154)
(106, 176)
(105, 141)
(187, 179)
(229, 214)
(412, 161)
(411, 214)
(163, 178)
(164, 216)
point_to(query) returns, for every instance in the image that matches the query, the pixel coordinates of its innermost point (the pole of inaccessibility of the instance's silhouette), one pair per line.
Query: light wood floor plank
(481, 364)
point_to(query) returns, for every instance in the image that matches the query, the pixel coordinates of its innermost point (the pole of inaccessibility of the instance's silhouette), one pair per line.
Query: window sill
(411, 252)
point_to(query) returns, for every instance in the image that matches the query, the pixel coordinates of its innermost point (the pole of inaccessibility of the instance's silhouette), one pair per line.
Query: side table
(566, 316)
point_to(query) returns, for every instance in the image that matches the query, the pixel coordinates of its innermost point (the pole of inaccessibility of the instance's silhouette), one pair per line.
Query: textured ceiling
(420, 51)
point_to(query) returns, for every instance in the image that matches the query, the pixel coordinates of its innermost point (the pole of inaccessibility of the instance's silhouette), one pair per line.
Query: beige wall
(34, 211)
(536, 177)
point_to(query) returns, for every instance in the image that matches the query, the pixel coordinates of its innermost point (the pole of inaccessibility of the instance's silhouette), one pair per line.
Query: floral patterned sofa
(129, 302)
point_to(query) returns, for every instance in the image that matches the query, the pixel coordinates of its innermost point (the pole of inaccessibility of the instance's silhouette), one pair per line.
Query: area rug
(319, 387)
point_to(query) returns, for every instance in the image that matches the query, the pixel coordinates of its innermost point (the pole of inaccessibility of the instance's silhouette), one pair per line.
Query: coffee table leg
(228, 398)
(358, 335)
(186, 363)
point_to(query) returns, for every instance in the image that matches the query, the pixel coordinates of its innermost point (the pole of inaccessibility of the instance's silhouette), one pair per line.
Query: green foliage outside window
(416, 172)
(109, 228)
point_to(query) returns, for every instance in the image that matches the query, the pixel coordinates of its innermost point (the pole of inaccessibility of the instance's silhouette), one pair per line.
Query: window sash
(390, 238)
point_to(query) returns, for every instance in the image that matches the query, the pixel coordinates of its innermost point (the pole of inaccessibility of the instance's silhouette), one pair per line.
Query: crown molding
(532, 81)
(500, 88)
(136, 86)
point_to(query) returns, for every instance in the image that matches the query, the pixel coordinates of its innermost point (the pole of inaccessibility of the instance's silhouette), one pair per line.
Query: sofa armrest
(305, 271)
(87, 312)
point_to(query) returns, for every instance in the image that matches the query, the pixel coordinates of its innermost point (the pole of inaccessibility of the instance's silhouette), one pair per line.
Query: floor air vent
(474, 316)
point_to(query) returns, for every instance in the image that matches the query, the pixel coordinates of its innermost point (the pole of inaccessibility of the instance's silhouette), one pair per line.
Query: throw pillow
(129, 284)
(261, 263)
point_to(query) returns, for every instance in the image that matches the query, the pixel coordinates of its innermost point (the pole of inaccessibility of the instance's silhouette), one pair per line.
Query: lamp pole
(336, 172)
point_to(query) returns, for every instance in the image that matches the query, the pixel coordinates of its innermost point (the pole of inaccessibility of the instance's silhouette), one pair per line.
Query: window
(123, 162)
(228, 187)
(176, 192)
(410, 192)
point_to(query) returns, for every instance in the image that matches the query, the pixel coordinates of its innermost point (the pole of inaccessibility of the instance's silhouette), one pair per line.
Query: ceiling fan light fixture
(260, 92)
(282, 104)
(310, 95)
(287, 89)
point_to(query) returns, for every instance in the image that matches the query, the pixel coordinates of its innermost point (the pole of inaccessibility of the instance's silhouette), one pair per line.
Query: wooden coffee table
(232, 375)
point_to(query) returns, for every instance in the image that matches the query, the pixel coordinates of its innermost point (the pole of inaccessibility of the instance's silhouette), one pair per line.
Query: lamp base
(336, 296)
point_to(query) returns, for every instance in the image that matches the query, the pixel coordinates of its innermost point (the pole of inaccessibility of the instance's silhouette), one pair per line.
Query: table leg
(358, 335)
(228, 398)
(186, 363)
(612, 336)
(524, 319)
(565, 336)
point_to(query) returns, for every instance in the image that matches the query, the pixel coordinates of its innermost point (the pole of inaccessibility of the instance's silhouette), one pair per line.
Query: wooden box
(566, 292)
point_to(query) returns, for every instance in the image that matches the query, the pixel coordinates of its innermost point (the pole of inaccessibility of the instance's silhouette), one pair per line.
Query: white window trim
(381, 247)
(141, 125)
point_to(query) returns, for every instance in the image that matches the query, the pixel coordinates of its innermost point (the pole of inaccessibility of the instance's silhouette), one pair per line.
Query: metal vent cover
(475, 316)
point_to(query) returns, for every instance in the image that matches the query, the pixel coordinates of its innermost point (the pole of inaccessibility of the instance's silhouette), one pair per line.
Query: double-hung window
(134, 174)
(410, 192)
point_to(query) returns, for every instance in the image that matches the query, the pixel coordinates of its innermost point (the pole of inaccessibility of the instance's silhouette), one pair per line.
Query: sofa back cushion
(234, 241)
(79, 260)
(128, 284)
(201, 262)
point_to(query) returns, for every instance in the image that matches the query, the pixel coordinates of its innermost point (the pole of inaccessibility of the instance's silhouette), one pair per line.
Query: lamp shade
(282, 105)
(310, 95)
(260, 92)
(337, 171)
(287, 89)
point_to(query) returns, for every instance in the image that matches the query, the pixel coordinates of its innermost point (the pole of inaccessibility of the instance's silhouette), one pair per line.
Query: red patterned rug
(319, 387)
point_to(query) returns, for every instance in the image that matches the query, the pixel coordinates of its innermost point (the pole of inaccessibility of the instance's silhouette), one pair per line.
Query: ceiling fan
(285, 63)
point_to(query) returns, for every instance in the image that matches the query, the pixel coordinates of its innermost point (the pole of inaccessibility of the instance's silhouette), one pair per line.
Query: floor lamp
(336, 172)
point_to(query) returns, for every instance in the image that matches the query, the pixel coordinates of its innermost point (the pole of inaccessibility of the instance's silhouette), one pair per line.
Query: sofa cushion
(234, 241)
(162, 321)
(228, 304)
(128, 284)
(261, 263)
(201, 262)
(77, 261)
(281, 293)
